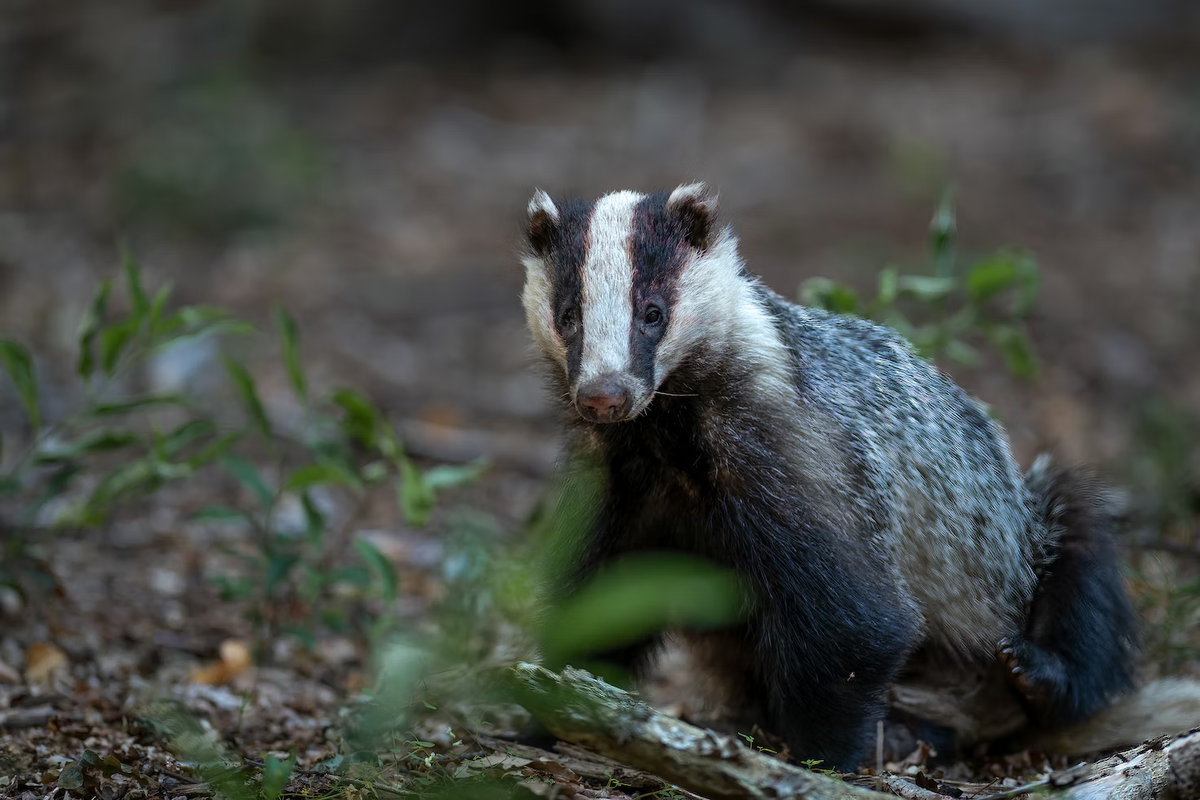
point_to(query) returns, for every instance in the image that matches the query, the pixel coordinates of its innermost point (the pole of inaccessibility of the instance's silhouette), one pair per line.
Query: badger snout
(604, 399)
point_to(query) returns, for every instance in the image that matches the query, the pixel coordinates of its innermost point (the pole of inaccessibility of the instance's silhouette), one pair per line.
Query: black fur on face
(658, 250)
(614, 268)
(562, 244)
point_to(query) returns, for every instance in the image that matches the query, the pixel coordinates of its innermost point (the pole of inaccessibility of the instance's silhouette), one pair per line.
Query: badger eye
(568, 321)
(653, 315)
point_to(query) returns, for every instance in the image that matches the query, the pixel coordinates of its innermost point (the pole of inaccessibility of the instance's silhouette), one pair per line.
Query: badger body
(871, 507)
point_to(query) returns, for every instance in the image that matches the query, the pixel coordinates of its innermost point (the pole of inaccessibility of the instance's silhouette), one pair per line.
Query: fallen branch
(35, 717)
(1150, 771)
(908, 790)
(584, 710)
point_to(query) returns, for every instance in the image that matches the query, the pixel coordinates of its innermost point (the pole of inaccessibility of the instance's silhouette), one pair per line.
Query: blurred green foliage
(955, 303)
(115, 449)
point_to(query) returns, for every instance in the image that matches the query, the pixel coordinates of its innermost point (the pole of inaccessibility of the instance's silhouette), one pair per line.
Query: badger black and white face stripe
(620, 291)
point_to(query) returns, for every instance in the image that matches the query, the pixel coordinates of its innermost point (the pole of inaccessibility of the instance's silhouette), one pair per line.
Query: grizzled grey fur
(872, 508)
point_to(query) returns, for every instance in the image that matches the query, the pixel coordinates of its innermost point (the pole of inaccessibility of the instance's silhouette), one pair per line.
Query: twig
(907, 789)
(1019, 790)
(28, 717)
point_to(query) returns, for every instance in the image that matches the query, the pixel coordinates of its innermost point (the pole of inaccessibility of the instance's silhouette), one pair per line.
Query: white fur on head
(608, 287)
(717, 304)
(537, 296)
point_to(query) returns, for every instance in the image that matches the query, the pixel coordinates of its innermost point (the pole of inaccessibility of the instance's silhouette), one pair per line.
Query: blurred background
(366, 164)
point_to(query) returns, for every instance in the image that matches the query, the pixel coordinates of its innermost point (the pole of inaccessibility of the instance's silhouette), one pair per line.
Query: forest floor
(383, 210)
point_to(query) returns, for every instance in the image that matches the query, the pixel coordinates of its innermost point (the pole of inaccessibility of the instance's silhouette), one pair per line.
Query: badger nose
(603, 400)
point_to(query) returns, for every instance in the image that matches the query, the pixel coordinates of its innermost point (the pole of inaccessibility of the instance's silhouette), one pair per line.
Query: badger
(871, 508)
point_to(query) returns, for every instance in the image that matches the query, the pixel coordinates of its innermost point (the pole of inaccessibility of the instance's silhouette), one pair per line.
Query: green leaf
(289, 339)
(235, 588)
(638, 596)
(374, 472)
(246, 388)
(157, 306)
(333, 764)
(888, 286)
(57, 483)
(379, 565)
(248, 476)
(195, 322)
(941, 234)
(305, 635)
(113, 340)
(353, 576)
(19, 366)
(360, 419)
(963, 353)
(327, 472)
(103, 440)
(186, 434)
(445, 476)
(89, 326)
(137, 295)
(388, 443)
(71, 777)
(218, 514)
(136, 404)
(1016, 348)
(215, 450)
(414, 497)
(136, 476)
(279, 566)
(926, 287)
(1002, 272)
(831, 296)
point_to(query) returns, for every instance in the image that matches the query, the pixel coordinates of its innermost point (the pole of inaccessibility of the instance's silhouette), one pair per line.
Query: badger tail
(1077, 650)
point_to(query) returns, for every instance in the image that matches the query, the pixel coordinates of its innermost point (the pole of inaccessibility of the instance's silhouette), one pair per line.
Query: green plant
(750, 743)
(812, 765)
(116, 448)
(961, 300)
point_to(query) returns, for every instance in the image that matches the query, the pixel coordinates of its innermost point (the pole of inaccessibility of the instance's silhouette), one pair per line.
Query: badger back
(620, 291)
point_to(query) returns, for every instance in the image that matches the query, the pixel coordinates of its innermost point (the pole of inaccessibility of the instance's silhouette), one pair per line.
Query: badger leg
(824, 652)
(1076, 652)
(826, 711)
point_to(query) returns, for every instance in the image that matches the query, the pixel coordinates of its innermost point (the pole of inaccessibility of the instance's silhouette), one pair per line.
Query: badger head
(620, 291)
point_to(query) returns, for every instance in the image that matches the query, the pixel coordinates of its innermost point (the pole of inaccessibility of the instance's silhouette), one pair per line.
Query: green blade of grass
(19, 365)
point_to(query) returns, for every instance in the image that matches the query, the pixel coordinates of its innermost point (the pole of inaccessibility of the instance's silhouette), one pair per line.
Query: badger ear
(696, 208)
(543, 221)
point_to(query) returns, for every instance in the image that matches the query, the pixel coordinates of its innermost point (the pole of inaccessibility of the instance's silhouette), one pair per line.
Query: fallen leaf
(43, 662)
(235, 659)
(554, 768)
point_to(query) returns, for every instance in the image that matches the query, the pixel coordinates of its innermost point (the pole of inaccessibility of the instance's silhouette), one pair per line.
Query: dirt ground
(382, 206)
